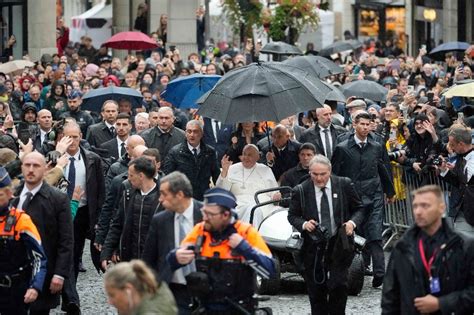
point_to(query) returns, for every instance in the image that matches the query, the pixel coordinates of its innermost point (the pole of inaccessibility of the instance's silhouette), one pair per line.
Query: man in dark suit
(164, 233)
(332, 203)
(45, 124)
(366, 163)
(195, 159)
(217, 135)
(165, 135)
(50, 211)
(105, 130)
(461, 177)
(85, 170)
(283, 152)
(324, 135)
(116, 147)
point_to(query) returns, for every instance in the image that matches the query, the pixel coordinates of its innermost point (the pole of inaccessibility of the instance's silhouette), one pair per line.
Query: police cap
(5, 179)
(220, 197)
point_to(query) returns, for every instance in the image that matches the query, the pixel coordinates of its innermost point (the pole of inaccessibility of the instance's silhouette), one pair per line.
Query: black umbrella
(439, 52)
(94, 99)
(366, 89)
(335, 94)
(335, 48)
(318, 66)
(281, 48)
(354, 43)
(262, 92)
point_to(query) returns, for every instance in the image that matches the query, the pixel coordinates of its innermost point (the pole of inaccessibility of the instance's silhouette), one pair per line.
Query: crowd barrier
(399, 215)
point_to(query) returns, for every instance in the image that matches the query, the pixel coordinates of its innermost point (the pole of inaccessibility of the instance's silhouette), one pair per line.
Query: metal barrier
(399, 215)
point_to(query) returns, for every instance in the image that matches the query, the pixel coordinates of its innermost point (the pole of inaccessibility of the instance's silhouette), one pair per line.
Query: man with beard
(215, 247)
(83, 118)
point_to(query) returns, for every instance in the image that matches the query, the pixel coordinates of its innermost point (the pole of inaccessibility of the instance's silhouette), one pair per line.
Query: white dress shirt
(190, 147)
(322, 134)
(214, 129)
(178, 276)
(319, 194)
(469, 165)
(25, 191)
(119, 144)
(81, 177)
(43, 135)
(358, 141)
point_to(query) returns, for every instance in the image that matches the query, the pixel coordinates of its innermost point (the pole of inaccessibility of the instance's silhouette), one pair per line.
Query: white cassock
(244, 183)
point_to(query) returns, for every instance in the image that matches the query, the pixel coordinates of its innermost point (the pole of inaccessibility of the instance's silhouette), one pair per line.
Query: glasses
(209, 214)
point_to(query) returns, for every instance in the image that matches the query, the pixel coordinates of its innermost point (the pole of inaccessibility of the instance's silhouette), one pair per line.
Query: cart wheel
(270, 286)
(356, 275)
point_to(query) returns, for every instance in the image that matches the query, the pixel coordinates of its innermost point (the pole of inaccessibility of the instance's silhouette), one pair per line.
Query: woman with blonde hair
(132, 288)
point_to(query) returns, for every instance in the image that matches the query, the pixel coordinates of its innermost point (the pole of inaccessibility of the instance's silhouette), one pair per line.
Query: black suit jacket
(98, 134)
(346, 203)
(112, 148)
(223, 137)
(51, 213)
(160, 240)
(312, 135)
(95, 186)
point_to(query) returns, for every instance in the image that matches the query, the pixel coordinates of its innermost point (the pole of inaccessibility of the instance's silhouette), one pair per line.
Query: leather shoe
(81, 267)
(368, 271)
(73, 309)
(377, 281)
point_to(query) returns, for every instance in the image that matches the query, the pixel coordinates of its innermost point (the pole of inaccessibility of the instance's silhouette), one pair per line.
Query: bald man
(283, 153)
(324, 135)
(165, 135)
(50, 211)
(122, 164)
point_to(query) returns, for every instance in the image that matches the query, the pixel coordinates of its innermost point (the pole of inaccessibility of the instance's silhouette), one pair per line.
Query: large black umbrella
(439, 52)
(318, 66)
(94, 99)
(281, 48)
(335, 94)
(335, 48)
(262, 92)
(366, 89)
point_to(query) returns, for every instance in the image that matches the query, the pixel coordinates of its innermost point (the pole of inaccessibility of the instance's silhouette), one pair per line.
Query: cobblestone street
(292, 300)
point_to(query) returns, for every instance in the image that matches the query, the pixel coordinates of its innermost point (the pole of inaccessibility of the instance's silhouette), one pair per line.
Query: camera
(437, 161)
(319, 235)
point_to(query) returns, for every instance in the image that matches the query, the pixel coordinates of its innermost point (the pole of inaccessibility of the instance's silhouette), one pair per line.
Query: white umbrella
(15, 65)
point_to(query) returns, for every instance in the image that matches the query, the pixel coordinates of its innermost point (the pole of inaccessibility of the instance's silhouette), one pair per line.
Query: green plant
(243, 13)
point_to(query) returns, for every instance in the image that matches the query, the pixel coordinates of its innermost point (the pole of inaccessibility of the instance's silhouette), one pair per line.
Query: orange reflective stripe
(247, 231)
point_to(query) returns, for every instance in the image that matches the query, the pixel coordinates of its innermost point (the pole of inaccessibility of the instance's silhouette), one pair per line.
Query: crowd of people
(133, 179)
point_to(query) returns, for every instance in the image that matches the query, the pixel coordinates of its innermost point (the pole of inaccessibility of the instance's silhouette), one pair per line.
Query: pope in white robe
(244, 179)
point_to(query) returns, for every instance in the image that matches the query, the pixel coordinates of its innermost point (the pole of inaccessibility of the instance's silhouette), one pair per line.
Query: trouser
(330, 296)
(182, 297)
(11, 298)
(69, 292)
(374, 250)
(40, 312)
(81, 226)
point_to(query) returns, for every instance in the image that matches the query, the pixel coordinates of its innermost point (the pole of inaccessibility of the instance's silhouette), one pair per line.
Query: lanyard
(429, 263)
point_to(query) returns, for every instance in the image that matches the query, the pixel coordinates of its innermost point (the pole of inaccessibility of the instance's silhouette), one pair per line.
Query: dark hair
(307, 146)
(154, 109)
(394, 105)
(124, 116)
(154, 153)
(177, 182)
(143, 165)
(362, 116)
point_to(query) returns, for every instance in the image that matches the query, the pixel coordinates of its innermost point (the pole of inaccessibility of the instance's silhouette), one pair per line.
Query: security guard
(225, 253)
(22, 258)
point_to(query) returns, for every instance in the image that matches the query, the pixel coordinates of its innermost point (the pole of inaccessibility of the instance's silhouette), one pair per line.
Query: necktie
(71, 177)
(122, 149)
(328, 144)
(182, 234)
(112, 131)
(27, 201)
(325, 211)
(362, 145)
(217, 128)
(195, 153)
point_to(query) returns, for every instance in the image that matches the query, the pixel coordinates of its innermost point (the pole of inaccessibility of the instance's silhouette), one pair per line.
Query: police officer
(226, 253)
(22, 258)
